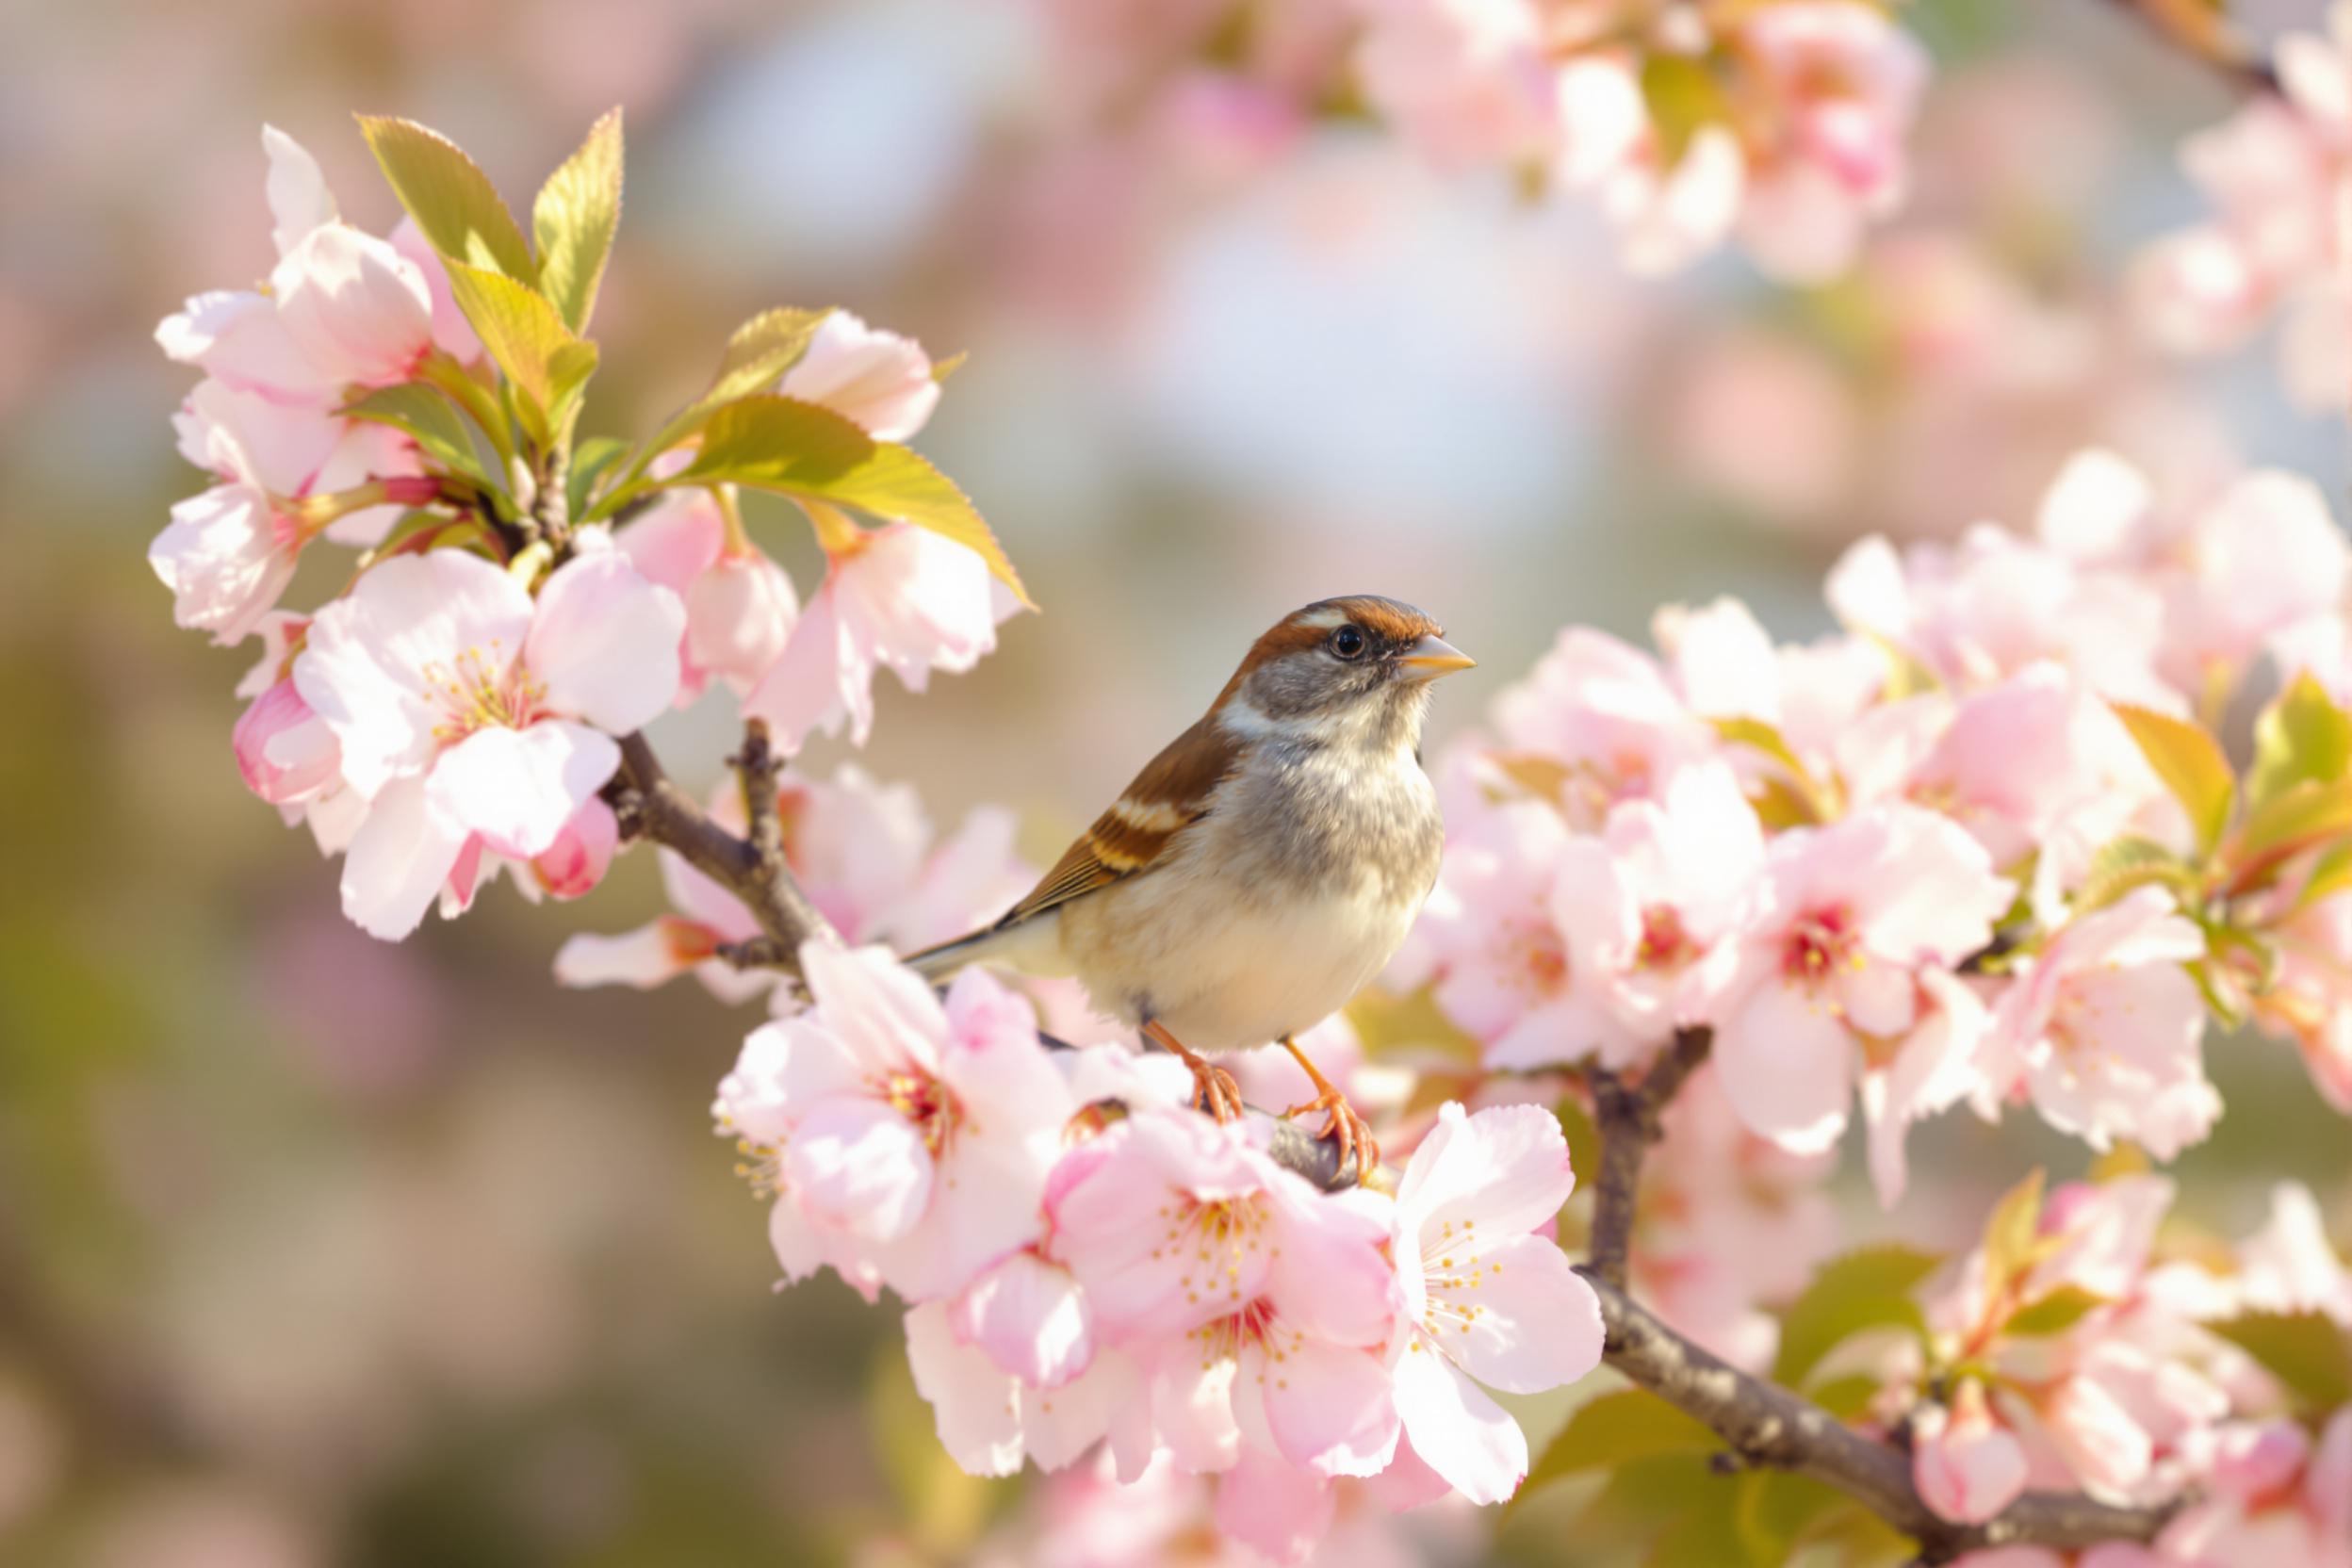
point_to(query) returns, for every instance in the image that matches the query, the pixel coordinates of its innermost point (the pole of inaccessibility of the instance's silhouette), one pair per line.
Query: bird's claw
(1345, 1128)
(1214, 1092)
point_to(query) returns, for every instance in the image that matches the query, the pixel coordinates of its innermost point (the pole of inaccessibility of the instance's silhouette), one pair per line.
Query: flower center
(1539, 958)
(924, 1102)
(1451, 1276)
(1819, 942)
(1664, 943)
(482, 689)
(1212, 1240)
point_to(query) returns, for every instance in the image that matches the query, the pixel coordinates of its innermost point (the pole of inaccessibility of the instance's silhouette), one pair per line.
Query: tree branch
(1768, 1424)
(753, 868)
(2200, 32)
(1629, 1121)
(1761, 1422)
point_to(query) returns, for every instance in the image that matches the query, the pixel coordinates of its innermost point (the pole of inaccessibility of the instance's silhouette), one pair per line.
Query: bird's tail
(940, 963)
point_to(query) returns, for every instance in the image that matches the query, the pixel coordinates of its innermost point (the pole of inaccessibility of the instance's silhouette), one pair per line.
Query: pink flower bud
(1967, 1469)
(582, 852)
(284, 752)
(739, 615)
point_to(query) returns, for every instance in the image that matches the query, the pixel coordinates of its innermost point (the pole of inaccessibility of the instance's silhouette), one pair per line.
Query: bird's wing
(1142, 826)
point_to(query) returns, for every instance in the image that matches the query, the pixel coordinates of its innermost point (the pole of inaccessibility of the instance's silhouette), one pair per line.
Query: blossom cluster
(1086, 1261)
(453, 709)
(2073, 1349)
(1974, 848)
(2277, 173)
(1781, 126)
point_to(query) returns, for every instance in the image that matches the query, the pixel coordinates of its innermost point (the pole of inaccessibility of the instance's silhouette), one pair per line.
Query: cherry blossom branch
(2193, 30)
(1765, 1424)
(753, 867)
(1761, 1422)
(1629, 1119)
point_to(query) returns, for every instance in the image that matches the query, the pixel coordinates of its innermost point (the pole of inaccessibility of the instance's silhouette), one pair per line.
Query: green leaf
(1808, 791)
(2302, 738)
(590, 459)
(760, 350)
(1613, 1429)
(2123, 865)
(1682, 96)
(1584, 1139)
(2013, 1233)
(2301, 817)
(544, 363)
(429, 419)
(2331, 875)
(2055, 1312)
(454, 202)
(797, 449)
(2190, 763)
(1869, 1288)
(574, 217)
(2305, 1350)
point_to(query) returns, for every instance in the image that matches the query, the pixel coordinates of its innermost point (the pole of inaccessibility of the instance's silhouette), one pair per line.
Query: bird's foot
(1346, 1128)
(1213, 1087)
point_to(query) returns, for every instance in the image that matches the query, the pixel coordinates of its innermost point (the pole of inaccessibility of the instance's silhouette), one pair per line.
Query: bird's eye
(1348, 642)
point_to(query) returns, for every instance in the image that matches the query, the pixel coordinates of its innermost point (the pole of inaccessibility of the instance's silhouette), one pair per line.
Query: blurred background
(315, 1250)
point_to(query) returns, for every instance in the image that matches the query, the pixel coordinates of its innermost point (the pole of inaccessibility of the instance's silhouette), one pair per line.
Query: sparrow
(1261, 869)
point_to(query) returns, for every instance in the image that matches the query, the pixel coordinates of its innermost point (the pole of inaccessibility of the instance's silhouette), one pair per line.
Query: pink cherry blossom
(2104, 1027)
(915, 1135)
(1257, 1307)
(1841, 973)
(284, 750)
(1648, 905)
(466, 711)
(1967, 1469)
(898, 598)
(573, 865)
(989, 1420)
(877, 379)
(1487, 1299)
(1467, 82)
(1606, 717)
(740, 606)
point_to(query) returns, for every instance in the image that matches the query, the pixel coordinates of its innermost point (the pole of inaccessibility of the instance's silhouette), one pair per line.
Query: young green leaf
(2302, 738)
(1818, 802)
(762, 349)
(2305, 1350)
(1869, 1288)
(544, 363)
(454, 202)
(2055, 1312)
(1628, 1423)
(575, 217)
(2123, 865)
(797, 449)
(590, 459)
(1682, 96)
(2191, 764)
(2301, 817)
(2013, 1234)
(431, 420)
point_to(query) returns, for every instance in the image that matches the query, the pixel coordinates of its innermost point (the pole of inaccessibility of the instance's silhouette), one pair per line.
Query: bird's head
(1353, 671)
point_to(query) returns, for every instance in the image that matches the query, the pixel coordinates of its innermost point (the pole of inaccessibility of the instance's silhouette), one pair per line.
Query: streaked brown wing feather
(1166, 798)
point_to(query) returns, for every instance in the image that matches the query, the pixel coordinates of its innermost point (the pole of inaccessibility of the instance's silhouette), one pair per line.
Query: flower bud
(284, 750)
(582, 852)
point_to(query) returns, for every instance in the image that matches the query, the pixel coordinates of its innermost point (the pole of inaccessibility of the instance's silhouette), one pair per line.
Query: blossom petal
(519, 787)
(1031, 1318)
(1502, 1172)
(1786, 1063)
(1457, 1432)
(858, 1164)
(604, 643)
(1329, 1410)
(1537, 1323)
(1278, 1510)
(397, 861)
(975, 1405)
(867, 995)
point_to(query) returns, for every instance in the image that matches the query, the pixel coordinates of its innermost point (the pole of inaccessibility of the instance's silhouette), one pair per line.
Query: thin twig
(1768, 1424)
(1629, 1121)
(651, 805)
(2196, 31)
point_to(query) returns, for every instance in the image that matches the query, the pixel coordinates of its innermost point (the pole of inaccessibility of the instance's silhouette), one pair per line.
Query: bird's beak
(1432, 657)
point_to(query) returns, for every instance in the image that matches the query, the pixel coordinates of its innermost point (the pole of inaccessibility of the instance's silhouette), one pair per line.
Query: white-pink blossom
(898, 598)
(466, 710)
(1488, 1298)
(875, 378)
(2103, 1028)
